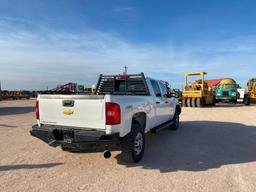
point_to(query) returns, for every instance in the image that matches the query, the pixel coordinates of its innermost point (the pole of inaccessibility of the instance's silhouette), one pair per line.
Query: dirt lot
(214, 150)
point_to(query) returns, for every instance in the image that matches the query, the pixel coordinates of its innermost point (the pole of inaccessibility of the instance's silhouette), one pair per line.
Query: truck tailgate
(85, 111)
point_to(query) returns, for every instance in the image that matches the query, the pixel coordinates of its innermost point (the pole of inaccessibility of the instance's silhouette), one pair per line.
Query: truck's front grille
(225, 93)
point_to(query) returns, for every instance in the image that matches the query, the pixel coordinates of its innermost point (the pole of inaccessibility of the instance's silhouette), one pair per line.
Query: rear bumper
(59, 135)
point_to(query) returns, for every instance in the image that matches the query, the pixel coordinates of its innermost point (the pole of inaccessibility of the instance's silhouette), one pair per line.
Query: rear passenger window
(156, 88)
(164, 90)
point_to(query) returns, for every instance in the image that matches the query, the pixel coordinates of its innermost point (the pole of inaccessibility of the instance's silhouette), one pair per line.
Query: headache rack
(132, 84)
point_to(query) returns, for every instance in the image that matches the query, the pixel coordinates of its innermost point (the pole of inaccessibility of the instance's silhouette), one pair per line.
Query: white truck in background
(124, 108)
(243, 96)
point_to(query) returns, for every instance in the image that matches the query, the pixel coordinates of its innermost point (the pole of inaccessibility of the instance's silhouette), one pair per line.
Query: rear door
(159, 103)
(84, 111)
(168, 102)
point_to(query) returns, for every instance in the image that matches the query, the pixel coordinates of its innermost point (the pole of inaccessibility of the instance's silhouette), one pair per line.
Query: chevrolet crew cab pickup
(122, 110)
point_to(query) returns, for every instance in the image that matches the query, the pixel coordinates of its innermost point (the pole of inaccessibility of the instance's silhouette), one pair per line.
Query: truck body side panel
(131, 105)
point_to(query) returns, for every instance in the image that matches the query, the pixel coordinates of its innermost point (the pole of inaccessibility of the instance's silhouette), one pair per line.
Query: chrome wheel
(138, 143)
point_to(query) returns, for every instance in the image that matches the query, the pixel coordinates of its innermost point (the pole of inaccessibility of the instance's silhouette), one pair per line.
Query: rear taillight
(37, 110)
(113, 115)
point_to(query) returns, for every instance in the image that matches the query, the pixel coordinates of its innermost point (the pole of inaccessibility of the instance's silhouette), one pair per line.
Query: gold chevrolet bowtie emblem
(68, 112)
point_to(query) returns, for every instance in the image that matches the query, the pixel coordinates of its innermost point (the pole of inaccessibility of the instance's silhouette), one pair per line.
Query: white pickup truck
(122, 110)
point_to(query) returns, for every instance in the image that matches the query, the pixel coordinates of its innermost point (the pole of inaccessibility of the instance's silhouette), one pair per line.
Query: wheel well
(139, 118)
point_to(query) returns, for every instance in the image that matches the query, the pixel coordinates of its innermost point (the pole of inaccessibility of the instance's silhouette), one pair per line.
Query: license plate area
(63, 135)
(68, 136)
(225, 93)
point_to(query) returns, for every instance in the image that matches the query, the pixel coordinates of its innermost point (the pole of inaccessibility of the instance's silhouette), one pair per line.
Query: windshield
(253, 82)
(228, 86)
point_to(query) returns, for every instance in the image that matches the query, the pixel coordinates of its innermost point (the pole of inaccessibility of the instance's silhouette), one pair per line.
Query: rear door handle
(157, 102)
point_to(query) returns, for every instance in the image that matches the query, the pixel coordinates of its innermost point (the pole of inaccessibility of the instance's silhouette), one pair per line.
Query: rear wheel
(133, 145)
(193, 102)
(188, 102)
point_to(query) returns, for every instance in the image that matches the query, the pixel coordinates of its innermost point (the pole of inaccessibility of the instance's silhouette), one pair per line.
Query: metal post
(125, 70)
(185, 81)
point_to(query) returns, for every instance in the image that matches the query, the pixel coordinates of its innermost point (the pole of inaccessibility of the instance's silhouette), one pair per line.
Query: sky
(45, 43)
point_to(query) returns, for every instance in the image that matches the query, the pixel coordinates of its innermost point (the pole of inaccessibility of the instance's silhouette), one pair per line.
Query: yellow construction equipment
(197, 94)
(251, 91)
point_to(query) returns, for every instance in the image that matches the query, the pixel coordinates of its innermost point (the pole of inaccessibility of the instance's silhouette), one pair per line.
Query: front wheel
(133, 145)
(247, 101)
(234, 101)
(176, 122)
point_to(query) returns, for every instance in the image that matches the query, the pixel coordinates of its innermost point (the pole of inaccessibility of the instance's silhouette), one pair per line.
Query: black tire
(176, 122)
(247, 101)
(199, 102)
(188, 102)
(193, 102)
(128, 145)
(184, 102)
(214, 102)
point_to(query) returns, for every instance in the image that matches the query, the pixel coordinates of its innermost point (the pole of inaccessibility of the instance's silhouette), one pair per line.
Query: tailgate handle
(68, 103)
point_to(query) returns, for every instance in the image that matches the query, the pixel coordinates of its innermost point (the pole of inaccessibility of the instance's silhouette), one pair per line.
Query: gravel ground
(214, 150)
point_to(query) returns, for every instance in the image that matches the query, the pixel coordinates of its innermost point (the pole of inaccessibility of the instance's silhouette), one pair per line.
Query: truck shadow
(198, 146)
(4, 111)
(28, 166)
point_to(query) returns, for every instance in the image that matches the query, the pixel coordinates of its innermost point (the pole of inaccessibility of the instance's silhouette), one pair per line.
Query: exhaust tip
(107, 154)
